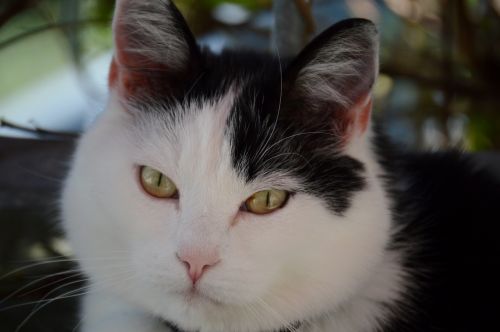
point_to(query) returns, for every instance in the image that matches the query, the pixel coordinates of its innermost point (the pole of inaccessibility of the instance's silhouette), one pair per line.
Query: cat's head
(222, 128)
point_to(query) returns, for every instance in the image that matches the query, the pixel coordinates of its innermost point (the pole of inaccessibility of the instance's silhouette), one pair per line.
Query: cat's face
(222, 128)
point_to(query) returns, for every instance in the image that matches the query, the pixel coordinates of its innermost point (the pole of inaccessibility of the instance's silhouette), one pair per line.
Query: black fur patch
(269, 136)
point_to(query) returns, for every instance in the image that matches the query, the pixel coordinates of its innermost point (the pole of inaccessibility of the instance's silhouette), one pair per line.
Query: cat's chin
(192, 308)
(195, 310)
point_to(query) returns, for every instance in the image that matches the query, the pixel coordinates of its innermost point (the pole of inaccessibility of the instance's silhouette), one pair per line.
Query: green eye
(266, 201)
(156, 183)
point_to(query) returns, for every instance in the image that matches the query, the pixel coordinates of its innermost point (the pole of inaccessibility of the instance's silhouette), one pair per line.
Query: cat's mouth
(194, 296)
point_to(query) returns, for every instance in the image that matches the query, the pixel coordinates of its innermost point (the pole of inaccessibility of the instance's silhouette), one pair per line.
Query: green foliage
(482, 131)
(99, 8)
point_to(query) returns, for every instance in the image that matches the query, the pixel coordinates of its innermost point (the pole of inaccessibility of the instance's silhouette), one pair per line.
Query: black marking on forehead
(219, 73)
(265, 142)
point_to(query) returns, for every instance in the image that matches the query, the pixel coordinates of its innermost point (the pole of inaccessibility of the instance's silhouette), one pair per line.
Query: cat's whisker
(47, 285)
(61, 287)
(88, 286)
(23, 304)
(11, 295)
(22, 268)
(77, 272)
(194, 85)
(70, 294)
(40, 307)
(83, 314)
(253, 311)
(270, 135)
(304, 133)
(283, 322)
(40, 175)
(290, 137)
(289, 154)
(53, 261)
(62, 259)
(124, 271)
(79, 323)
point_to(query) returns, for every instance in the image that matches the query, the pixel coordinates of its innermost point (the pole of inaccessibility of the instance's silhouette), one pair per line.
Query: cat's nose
(198, 261)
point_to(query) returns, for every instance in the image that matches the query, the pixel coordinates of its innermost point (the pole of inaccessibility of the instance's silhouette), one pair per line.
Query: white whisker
(70, 294)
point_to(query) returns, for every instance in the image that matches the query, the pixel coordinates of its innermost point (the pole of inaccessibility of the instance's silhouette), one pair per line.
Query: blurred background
(439, 87)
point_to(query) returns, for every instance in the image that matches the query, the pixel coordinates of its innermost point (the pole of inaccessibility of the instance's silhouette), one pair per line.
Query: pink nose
(198, 261)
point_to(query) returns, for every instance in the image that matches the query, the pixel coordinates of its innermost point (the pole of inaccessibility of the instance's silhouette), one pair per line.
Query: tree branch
(305, 9)
(43, 28)
(36, 130)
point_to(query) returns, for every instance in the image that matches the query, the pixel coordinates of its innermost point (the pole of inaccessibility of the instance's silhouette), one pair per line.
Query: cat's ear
(333, 76)
(154, 48)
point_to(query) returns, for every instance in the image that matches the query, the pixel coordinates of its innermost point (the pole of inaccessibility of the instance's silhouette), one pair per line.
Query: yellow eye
(156, 183)
(266, 201)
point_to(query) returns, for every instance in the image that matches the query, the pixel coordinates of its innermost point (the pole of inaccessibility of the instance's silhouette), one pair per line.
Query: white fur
(302, 262)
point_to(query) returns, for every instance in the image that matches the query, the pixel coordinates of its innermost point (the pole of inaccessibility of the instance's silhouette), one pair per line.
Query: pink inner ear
(131, 81)
(128, 81)
(357, 119)
(113, 73)
(364, 114)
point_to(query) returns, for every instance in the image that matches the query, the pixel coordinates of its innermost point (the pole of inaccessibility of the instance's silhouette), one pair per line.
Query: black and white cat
(237, 192)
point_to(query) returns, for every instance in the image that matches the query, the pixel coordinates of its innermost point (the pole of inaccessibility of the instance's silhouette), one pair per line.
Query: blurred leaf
(480, 131)
(99, 8)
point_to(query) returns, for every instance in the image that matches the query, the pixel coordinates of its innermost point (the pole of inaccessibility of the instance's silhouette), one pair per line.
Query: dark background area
(439, 87)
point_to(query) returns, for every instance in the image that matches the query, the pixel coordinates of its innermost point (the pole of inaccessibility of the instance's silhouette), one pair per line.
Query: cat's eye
(156, 183)
(266, 201)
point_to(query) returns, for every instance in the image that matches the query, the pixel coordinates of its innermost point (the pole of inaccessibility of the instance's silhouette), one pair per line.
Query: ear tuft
(339, 66)
(152, 39)
(151, 32)
(329, 83)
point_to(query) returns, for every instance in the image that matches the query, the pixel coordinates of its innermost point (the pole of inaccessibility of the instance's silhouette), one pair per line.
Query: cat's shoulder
(447, 209)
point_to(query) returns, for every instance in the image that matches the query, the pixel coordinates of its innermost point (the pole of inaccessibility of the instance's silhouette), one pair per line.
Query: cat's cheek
(258, 251)
(152, 254)
(238, 281)
(302, 248)
(156, 265)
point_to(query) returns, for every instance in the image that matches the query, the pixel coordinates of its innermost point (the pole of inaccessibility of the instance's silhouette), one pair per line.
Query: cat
(243, 192)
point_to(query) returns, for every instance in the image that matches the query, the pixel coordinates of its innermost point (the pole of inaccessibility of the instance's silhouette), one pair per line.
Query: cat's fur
(370, 240)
